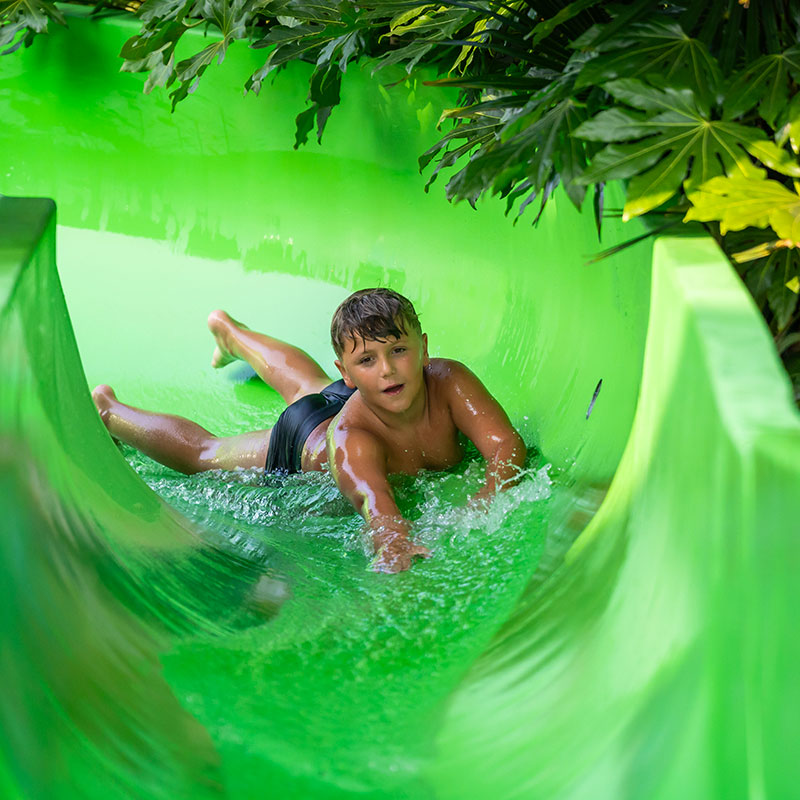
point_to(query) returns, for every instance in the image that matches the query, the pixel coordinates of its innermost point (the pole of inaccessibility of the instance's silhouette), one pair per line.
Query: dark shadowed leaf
(782, 300)
(474, 134)
(597, 207)
(764, 83)
(546, 27)
(230, 17)
(25, 18)
(533, 146)
(658, 46)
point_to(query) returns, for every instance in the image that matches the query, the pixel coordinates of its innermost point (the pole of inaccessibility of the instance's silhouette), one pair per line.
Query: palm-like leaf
(670, 140)
(25, 18)
(765, 84)
(658, 46)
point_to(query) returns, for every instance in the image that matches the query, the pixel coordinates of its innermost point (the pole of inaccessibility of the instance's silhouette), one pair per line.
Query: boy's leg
(177, 442)
(287, 369)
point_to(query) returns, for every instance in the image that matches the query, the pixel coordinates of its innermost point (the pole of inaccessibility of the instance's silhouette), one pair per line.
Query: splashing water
(312, 637)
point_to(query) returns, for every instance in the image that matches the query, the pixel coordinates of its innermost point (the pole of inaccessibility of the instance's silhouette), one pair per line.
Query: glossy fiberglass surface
(216, 636)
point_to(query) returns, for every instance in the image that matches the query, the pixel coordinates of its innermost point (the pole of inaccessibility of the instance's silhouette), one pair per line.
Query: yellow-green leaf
(403, 19)
(793, 115)
(738, 203)
(467, 51)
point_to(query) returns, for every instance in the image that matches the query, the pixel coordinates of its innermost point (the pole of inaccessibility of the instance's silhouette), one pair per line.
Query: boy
(394, 410)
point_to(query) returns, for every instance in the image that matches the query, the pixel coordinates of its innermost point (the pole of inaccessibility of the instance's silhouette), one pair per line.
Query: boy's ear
(345, 377)
(425, 358)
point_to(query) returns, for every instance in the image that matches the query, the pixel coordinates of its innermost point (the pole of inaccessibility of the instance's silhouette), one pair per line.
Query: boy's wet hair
(372, 315)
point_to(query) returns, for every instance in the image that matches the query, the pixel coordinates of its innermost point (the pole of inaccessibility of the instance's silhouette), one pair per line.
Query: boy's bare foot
(220, 324)
(104, 398)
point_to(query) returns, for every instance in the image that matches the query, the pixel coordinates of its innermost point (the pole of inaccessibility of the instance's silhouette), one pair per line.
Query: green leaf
(153, 53)
(738, 203)
(33, 14)
(782, 301)
(535, 146)
(26, 17)
(409, 56)
(231, 18)
(616, 123)
(304, 124)
(441, 23)
(154, 13)
(659, 47)
(764, 83)
(470, 131)
(624, 16)
(467, 53)
(793, 117)
(544, 28)
(436, 22)
(519, 82)
(785, 344)
(475, 135)
(324, 95)
(683, 145)
(496, 108)
(289, 44)
(405, 17)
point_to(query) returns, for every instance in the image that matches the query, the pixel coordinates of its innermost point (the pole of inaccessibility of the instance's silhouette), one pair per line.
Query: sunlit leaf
(682, 145)
(738, 203)
(467, 52)
(405, 17)
(793, 123)
(444, 22)
(760, 250)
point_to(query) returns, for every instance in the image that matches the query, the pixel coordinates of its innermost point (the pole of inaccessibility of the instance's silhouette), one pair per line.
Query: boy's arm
(482, 419)
(358, 464)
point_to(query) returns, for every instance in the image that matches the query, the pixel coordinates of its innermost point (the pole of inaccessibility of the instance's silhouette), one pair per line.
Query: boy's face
(388, 374)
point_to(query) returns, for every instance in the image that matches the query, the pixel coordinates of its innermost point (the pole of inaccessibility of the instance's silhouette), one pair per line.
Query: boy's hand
(395, 552)
(358, 464)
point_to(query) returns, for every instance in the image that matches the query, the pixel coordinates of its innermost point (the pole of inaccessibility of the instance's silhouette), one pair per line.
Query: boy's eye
(365, 360)
(399, 349)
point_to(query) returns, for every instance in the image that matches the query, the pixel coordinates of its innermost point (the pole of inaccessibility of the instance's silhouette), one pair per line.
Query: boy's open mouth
(396, 389)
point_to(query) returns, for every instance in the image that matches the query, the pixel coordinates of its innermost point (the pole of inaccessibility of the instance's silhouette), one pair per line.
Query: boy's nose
(386, 367)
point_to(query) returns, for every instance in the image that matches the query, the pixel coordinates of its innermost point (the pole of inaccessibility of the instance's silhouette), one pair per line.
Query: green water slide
(620, 625)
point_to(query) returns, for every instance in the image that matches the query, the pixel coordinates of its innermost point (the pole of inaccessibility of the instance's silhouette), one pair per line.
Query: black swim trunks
(295, 424)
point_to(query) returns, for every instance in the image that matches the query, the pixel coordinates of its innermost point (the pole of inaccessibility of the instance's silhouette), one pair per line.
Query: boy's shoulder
(447, 369)
(444, 365)
(451, 375)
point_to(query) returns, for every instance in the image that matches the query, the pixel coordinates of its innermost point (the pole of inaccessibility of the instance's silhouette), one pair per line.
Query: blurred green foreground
(221, 636)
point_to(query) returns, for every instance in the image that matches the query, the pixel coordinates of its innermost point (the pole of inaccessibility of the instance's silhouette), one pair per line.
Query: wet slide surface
(222, 635)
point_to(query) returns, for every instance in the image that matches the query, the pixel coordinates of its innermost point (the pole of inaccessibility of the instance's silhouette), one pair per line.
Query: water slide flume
(163, 654)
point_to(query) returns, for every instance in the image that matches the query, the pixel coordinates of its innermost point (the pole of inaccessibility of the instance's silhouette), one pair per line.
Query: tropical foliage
(694, 105)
